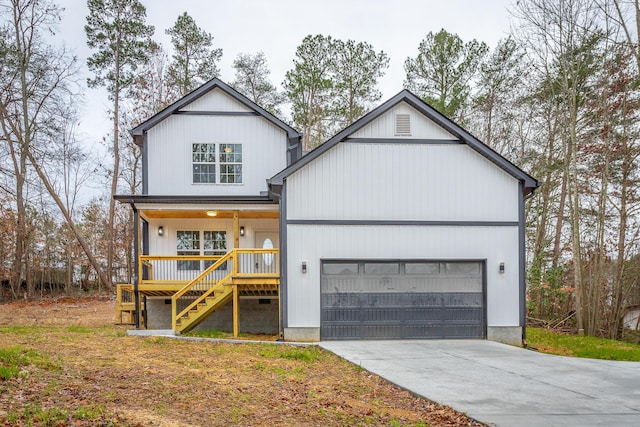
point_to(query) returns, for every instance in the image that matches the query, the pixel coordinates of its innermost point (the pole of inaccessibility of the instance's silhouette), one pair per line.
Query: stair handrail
(231, 255)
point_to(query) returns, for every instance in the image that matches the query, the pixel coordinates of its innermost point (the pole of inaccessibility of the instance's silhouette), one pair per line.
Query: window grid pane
(204, 173)
(215, 243)
(188, 243)
(204, 158)
(231, 163)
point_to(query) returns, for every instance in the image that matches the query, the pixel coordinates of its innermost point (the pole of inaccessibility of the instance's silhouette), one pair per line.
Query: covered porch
(199, 258)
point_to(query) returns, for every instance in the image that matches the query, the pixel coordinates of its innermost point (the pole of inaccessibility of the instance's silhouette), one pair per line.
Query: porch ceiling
(189, 213)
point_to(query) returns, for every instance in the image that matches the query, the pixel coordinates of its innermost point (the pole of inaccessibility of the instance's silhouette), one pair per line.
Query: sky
(277, 27)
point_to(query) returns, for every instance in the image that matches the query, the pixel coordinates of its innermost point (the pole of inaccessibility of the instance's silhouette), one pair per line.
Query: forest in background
(559, 97)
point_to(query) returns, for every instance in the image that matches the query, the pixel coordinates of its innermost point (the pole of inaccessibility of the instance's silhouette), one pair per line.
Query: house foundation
(257, 316)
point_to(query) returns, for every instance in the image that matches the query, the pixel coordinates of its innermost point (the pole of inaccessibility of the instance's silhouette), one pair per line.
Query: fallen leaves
(151, 382)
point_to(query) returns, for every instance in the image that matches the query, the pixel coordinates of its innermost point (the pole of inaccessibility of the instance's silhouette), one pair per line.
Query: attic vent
(403, 125)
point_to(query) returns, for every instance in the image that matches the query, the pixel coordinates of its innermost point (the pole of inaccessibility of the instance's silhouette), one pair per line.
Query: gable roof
(212, 84)
(529, 183)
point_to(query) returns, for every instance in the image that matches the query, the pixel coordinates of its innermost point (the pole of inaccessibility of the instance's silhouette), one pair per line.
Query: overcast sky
(277, 27)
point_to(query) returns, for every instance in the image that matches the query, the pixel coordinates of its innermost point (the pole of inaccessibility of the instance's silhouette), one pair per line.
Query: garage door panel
(402, 300)
(402, 331)
(420, 300)
(400, 314)
(437, 284)
(462, 331)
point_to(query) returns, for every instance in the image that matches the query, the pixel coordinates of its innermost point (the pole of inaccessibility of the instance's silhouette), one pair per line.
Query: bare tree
(252, 80)
(566, 33)
(117, 30)
(37, 82)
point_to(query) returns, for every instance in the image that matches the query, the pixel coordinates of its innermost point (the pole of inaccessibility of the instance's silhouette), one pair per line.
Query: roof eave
(202, 90)
(417, 103)
(173, 199)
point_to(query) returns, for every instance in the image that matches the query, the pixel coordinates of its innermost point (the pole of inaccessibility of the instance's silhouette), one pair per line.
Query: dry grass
(77, 368)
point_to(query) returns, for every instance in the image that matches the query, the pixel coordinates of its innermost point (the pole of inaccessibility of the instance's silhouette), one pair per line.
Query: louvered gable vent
(403, 125)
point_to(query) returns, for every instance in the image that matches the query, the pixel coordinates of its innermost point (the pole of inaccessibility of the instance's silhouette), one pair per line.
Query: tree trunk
(85, 247)
(557, 250)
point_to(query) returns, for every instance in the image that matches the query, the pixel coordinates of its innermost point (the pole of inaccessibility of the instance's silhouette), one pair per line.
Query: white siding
(311, 243)
(169, 153)
(384, 126)
(216, 100)
(402, 181)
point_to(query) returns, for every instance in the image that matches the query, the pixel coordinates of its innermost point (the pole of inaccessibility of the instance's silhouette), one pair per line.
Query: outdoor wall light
(501, 268)
(160, 231)
(242, 231)
(212, 213)
(304, 266)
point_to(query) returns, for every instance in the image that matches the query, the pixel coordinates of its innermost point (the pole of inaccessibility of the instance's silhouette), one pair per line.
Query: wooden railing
(173, 268)
(125, 303)
(236, 263)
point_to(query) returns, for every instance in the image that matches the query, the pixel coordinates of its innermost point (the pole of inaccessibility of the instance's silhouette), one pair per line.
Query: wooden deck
(241, 272)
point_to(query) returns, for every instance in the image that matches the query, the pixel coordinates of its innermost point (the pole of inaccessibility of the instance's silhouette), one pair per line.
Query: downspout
(523, 280)
(136, 261)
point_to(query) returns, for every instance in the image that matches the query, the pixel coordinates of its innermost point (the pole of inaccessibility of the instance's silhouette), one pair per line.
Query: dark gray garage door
(402, 299)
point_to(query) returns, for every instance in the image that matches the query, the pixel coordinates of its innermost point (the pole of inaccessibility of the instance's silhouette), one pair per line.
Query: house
(631, 318)
(403, 225)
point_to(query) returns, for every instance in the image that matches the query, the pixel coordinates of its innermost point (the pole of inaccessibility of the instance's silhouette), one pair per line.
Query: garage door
(402, 299)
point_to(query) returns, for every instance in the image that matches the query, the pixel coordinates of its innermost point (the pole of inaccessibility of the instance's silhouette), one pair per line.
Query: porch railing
(254, 263)
(174, 268)
(125, 303)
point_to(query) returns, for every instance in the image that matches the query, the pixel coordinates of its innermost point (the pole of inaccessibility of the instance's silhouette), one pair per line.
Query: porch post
(137, 266)
(236, 312)
(236, 229)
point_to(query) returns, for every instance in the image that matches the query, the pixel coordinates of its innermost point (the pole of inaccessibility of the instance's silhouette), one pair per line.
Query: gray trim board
(402, 222)
(530, 183)
(294, 149)
(216, 113)
(453, 260)
(202, 90)
(405, 141)
(145, 237)
(136, 257)
(172, 199)
(485, 282)
(145, 164)
(283, 259)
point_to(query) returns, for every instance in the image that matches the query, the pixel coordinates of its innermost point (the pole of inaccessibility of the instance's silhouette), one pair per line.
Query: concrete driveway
(502, 385)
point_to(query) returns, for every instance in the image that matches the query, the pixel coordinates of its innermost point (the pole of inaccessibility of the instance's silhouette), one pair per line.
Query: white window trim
(218, 165)
(201, 249)
(214, 163)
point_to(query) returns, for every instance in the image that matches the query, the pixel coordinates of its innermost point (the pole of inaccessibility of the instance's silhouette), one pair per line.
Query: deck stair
(204, 308)
(221, 283)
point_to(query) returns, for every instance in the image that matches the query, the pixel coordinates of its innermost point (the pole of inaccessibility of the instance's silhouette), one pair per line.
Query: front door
(268, 239)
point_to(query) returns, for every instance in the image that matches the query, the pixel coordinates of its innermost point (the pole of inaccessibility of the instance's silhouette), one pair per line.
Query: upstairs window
(204, 163)
(231, 163)
(205, 169)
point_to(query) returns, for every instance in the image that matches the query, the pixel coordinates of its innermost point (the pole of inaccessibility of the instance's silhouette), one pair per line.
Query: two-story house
(403, 225)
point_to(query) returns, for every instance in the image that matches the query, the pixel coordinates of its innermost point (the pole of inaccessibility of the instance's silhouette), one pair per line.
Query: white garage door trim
(403, 299)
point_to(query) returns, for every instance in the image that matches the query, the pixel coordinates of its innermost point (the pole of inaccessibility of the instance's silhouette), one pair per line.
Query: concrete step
(150, 332)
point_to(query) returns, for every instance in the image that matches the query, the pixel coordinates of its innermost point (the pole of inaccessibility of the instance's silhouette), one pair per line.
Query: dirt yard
(63, 362)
